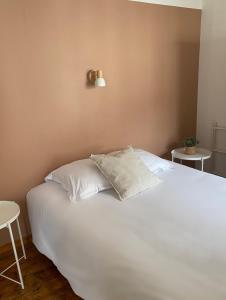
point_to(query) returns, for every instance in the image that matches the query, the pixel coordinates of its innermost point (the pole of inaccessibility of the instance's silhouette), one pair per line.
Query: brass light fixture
(96, 78)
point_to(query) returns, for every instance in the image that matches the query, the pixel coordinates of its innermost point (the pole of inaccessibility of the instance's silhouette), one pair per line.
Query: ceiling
(196, 4)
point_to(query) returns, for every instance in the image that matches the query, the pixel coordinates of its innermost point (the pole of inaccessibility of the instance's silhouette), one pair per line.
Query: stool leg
(21, 239)
(15, 254)
(202, 167)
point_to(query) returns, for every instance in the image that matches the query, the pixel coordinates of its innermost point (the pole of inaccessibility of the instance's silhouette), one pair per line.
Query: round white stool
(9, 212)
(201, 155)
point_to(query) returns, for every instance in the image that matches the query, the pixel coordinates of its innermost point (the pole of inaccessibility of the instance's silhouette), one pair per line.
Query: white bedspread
(165, 244)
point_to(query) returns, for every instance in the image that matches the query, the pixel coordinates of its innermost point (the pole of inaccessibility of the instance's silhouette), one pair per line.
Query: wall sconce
(96, 78)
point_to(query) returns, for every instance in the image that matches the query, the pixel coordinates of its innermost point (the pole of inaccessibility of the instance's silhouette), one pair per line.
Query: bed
(168, 243)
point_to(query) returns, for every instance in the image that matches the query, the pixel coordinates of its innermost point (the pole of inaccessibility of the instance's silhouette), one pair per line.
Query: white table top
(199, 155)
(9, 211)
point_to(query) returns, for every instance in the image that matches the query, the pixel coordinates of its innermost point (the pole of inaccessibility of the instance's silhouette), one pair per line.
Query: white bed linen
(165, 244)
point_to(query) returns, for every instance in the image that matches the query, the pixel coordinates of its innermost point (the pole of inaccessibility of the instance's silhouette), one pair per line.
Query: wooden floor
(41, 278)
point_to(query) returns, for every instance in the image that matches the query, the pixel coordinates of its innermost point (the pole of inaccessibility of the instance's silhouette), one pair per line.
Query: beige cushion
(126, 172)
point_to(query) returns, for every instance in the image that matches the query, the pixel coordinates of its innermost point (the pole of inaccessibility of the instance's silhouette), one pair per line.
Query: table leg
(202, 162)
(181, 162)
(16, 256)
(21, 239)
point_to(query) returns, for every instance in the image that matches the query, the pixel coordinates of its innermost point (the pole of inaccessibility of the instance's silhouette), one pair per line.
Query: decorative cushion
(126, 172)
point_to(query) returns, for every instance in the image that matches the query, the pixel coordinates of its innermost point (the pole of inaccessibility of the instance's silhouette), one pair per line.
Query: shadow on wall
(187, 104)
(185, 69)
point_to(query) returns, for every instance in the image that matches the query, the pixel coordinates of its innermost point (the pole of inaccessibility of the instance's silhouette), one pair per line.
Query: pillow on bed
(126, 172)
(81, 179)
(153, 162)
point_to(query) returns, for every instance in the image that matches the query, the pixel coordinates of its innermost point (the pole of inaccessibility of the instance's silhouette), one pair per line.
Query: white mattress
(165, 244)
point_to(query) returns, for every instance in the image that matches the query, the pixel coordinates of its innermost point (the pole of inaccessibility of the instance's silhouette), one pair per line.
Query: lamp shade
(100, 82)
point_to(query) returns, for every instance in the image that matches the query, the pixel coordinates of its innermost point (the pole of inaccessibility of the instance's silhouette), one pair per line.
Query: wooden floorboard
(41, 278)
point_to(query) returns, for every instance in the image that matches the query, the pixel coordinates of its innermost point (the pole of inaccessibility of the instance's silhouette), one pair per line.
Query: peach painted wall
(48, 114)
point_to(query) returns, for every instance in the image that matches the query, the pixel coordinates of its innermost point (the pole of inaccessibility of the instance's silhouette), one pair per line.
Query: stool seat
(9, 211)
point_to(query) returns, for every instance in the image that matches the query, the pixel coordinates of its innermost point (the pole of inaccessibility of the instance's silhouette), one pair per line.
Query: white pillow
(126, 172)
(153, 162)
(81, 179)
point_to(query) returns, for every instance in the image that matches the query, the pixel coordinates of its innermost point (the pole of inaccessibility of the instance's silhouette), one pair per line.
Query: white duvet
(165, 244)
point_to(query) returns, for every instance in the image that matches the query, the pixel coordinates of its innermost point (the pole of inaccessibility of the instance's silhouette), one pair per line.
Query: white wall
(212, 77)
(197, 4)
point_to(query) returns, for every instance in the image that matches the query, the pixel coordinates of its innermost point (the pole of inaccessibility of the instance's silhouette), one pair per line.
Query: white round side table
(9, 212)
(200, 155)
